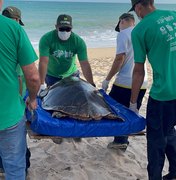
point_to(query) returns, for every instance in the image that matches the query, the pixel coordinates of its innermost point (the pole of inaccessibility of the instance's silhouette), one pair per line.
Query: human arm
(121, 49)
(26, 57)
(43, 63)
(116, 66)
(87, 72)
(137, 80)
(33, 83)
(83, 61)
(44, 53)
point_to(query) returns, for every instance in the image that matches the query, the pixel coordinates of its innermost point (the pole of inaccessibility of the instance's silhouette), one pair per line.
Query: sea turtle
(76, 98)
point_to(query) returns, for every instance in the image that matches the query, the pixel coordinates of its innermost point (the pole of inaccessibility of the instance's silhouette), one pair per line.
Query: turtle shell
(76, 98)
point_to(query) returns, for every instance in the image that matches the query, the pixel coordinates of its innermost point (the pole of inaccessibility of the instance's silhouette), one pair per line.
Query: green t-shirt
(62, 54)
(155, 36)
(15, 48)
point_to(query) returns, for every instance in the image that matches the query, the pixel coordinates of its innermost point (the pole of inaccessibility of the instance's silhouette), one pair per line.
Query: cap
(123, 16)
(12, 12)
(64, 20)
(133, 2)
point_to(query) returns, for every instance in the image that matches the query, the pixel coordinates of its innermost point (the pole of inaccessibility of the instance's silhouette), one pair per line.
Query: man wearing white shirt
(122, 67)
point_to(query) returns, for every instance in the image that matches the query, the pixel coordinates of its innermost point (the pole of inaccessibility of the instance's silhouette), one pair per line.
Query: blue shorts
(50, 80)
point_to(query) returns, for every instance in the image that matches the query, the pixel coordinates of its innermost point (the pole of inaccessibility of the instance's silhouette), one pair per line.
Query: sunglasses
(65, 29)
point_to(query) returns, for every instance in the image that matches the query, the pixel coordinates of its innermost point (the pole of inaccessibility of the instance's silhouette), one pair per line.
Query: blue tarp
(43, 123)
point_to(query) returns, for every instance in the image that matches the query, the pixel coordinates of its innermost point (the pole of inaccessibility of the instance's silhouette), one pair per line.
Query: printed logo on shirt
(165, 19)
(63, 54)
(168, 27)
(174, 24)
(173, 46)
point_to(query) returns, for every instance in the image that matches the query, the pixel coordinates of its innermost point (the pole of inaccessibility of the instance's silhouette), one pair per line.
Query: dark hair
(146, 3)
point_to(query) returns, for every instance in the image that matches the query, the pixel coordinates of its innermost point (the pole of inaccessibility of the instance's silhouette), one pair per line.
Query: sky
(114, 1)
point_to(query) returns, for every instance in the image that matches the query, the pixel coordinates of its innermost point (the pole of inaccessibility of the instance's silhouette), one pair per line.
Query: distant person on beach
(155, 37)
(122, 67)
(15, 13)
(58, 49)
(15, 48)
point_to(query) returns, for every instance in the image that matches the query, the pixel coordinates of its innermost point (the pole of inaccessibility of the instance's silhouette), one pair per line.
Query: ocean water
(94, 22)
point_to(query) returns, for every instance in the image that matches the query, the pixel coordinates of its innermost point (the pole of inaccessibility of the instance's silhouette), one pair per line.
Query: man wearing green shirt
(15, 14)
(155, 37)
(58, 49)
(15, 48)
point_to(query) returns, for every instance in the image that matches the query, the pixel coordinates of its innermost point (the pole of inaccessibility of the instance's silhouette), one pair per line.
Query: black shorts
(123, 95)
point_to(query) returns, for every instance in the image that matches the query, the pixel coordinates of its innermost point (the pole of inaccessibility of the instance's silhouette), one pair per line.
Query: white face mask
(63, 35)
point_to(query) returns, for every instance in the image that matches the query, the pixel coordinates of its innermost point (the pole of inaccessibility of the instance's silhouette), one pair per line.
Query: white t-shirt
(124, 45)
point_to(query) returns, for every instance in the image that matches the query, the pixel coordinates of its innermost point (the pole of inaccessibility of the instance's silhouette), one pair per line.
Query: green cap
(12, 12)
(133, 2)
(64, 20)
(123, 16)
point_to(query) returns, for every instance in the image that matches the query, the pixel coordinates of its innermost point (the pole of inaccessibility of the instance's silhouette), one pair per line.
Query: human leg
(28, 155)
(169, 176)
(171, 155)
(170, 116)
(12, 151)
(160, 137)
(50, 80)
(156, 142)
(122, 95)
(1, 166)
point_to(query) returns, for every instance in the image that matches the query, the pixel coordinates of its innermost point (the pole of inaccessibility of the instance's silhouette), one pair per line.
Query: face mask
(63, 35)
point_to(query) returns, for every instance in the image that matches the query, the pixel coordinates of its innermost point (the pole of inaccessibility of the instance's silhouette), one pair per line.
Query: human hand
(105, 85)
(42, 88)
(133, 107)
(31, 104)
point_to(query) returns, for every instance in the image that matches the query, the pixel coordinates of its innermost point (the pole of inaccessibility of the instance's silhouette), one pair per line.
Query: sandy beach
(90, 159)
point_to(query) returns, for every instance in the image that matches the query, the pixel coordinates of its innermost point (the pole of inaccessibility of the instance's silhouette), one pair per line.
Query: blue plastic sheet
(43, 123)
